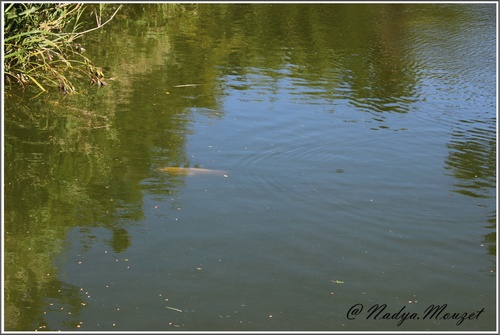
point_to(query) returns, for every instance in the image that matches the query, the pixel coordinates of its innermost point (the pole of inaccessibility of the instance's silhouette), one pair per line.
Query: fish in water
(185, 171)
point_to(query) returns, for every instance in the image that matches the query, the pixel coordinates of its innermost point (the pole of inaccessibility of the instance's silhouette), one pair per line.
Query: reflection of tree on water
(77, 163)
(472, 162)
(121, 240)
(472, 159)
(64, 170)
(491, 238)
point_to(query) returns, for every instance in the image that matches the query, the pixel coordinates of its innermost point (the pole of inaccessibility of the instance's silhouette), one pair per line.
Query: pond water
(357, 153)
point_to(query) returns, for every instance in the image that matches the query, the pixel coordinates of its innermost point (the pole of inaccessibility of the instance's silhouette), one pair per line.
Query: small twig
(97, 20)
(188, 85)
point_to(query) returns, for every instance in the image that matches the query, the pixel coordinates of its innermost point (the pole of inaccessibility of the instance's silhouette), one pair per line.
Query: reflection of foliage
(472, 159)
(472, 162)
(121, 240)
(491, 238)
(28, 273)
(53, 153)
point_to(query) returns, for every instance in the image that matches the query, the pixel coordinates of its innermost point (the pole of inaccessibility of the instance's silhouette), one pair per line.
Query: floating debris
(188, 85)
(174, 309)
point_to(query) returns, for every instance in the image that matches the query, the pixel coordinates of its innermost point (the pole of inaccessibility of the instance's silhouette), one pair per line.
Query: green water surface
(358, 144)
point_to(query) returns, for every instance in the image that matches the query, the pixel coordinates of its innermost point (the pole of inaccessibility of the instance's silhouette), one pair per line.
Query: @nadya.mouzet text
(432, 312)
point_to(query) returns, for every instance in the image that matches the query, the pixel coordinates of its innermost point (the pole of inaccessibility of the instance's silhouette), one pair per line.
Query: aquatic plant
(40, 44)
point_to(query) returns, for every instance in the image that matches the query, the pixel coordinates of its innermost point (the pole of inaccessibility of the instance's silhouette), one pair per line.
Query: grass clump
(40, 45)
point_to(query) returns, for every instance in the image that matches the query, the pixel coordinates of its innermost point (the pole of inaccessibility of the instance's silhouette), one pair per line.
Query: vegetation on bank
(40, 44)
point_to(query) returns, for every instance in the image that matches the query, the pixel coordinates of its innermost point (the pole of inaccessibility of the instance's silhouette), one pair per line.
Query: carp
(186, 171)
